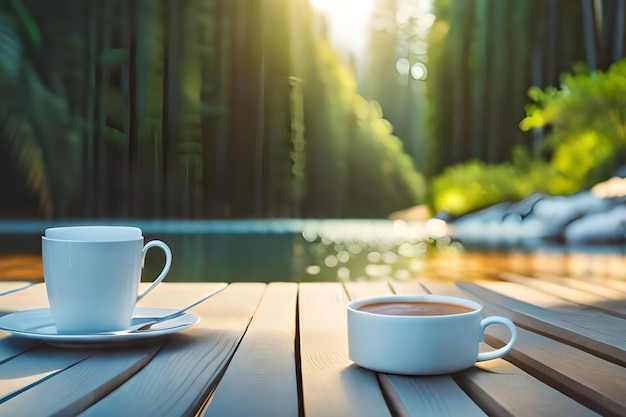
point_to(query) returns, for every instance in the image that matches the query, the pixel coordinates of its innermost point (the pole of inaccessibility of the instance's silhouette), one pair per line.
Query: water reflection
(329, 250)
(277, 250)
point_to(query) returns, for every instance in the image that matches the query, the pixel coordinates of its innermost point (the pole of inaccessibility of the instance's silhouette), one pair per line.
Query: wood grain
(178, 379)
(586, 328)
(11, 346)
(12, 287)
(331, 384)
(428, 396)
(598, 285)
(609, 300)
(501, 388)
(32, 297)
(592, 381)
(281, 350)
(75, 387)
(356, 290)
(35, 366)
(261, 378)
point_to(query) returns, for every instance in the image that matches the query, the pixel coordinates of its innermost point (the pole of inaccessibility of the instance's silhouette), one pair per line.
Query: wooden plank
(16, 296)
(617, 284)
(177, 294)
(593, 381)
(587, 265)
(331, 384)
(413, 287)
(261, 378)
(605, 271)
(33, 297)
(34, 366)
(503, 389)
(427, 396)
(596, 285)
(356, 290)
(11, 287)
(586, 328)
(11, 346)
(74, 388)
(585, 293)
(187, 368)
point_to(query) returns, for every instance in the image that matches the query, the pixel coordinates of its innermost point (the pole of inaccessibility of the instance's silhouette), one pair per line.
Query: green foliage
(475, 147)
(383, 176)
(356, 167)
(586, 144)
(474, 185)
(587, 116)
(189, 109)
(36, 125)
(29, 24)
(483, 55)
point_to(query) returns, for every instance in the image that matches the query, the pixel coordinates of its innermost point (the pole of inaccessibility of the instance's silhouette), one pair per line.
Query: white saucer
(38, 324)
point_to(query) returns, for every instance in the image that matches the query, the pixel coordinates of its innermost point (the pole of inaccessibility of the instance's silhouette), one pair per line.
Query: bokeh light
(374, 250)
(419, 71)
(403, 66)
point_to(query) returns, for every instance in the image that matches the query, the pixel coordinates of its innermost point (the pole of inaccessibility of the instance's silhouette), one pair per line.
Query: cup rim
(104, 234)
(355, 304)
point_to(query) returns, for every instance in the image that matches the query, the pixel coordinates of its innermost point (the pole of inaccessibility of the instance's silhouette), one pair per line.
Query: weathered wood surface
(577, 373)
(187, 368)
(585, 327)
(281, 349)
(264, 366)
(427, 396)
(331, 384)
(492, 383)
(77, 385)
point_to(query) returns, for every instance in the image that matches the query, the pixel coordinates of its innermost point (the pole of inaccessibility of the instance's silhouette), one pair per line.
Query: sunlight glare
(418, 71)
(402, 66)
(348, 21)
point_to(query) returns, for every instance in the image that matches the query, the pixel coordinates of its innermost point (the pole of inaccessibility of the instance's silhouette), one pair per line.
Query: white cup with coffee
(92, 275)
(420, 334)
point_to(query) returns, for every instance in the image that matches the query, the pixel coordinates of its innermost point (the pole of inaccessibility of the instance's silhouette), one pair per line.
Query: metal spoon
(143, 324)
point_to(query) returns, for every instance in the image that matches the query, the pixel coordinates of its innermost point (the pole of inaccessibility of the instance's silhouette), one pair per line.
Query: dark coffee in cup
(420, 334)
(415, 308)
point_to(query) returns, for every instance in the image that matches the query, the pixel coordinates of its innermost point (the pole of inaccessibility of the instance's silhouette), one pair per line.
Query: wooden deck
(280, 349)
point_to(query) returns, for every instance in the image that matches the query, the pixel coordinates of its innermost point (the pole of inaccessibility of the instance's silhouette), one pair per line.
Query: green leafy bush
(585, 145)
(474, 185)
(587, 116)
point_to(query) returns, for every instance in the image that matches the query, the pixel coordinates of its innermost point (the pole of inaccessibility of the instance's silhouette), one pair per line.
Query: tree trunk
(590, 33)
(171, 112)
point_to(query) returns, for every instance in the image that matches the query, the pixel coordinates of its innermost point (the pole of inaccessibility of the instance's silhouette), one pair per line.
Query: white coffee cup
(419, 344)
(92, 275)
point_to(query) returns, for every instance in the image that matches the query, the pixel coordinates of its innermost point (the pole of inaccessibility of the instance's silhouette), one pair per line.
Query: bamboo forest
(234, 109)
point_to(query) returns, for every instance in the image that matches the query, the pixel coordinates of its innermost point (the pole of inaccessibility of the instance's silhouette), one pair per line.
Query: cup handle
(498, 353)
(166, 268)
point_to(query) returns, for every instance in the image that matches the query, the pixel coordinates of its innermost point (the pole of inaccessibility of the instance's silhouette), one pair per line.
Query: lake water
(269, 250)
(319, 250)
